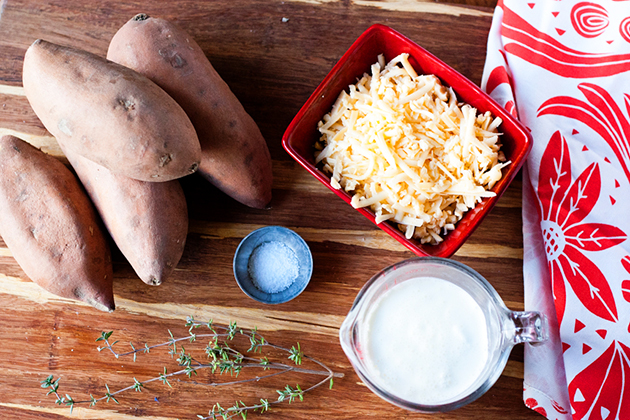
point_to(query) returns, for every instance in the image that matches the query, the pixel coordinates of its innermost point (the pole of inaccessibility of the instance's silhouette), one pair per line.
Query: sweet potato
(50, 226)
(109, 113)
(147, 220)
(235, 156)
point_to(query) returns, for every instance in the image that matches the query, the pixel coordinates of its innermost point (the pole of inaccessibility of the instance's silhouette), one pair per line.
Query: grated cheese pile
(402, 145)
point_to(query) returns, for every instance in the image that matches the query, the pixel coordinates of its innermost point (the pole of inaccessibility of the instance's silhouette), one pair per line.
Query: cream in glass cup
(431, 335)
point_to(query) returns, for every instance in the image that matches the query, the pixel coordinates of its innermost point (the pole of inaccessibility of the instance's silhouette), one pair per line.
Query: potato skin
(235, 156)
(50, 226)
(109, 114)
(148, 221)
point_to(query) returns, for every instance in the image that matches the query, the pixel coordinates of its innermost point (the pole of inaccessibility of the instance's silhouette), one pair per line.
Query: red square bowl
(302, 133)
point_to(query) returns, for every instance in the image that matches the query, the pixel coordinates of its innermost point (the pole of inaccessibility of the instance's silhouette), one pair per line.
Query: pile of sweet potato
(130, 125)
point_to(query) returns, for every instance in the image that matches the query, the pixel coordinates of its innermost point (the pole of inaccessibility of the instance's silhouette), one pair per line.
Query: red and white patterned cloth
(563, 68)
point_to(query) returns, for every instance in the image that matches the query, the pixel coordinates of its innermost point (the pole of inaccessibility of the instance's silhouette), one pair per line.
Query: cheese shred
(401, 144)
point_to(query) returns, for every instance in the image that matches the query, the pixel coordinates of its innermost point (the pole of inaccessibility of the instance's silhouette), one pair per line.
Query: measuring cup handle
(529, 327)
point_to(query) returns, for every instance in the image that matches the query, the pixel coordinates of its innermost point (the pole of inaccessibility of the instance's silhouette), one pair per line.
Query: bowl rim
(523, 146)
(286, 232)
(361, 304)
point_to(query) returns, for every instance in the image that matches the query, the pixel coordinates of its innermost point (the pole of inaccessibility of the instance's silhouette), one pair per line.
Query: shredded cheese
(403, 146)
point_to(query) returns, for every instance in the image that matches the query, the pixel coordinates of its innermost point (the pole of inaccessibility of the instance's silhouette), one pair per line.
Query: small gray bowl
(271, 234)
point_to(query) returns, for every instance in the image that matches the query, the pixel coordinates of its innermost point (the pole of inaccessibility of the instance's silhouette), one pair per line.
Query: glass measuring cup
(504, 328)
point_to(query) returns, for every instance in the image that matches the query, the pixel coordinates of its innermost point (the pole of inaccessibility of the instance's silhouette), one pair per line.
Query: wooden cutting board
(272, 54)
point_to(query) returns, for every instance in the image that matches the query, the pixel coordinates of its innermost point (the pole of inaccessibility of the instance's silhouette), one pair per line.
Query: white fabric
(563, 67)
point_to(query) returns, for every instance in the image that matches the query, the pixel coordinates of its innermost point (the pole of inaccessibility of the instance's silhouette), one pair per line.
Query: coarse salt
(273, 267)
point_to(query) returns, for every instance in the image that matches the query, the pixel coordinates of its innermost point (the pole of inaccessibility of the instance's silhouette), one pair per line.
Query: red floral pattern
(601, 114)
(589, 19)
(497, 77)
(625, 284)
(564, 204)
(599, 391)
(533, 404)
(543, 50)
(624, 29)
(567, 65)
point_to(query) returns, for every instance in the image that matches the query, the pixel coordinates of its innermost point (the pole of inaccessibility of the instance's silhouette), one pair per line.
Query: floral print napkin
(563, 68)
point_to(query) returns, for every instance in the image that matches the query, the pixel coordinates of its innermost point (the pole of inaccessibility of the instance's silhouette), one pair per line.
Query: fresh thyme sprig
(220, 357)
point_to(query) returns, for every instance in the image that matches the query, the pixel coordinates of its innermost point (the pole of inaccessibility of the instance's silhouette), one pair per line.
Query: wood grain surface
(272, 54)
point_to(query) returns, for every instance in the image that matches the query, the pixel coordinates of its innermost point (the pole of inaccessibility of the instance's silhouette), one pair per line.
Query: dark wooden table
(272, 54)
